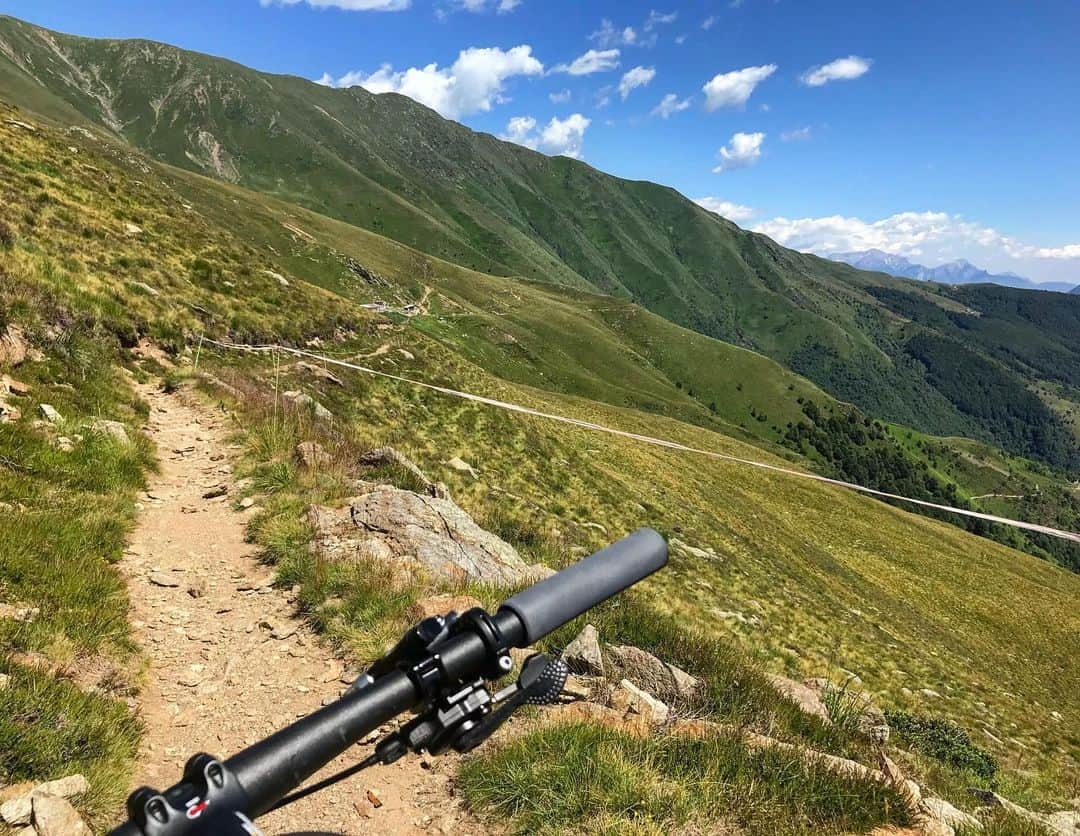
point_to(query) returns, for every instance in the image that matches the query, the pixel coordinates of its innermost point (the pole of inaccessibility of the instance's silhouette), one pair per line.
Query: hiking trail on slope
(229, 660)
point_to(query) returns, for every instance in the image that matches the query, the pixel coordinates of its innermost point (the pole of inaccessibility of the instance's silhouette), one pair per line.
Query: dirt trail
(229, 662)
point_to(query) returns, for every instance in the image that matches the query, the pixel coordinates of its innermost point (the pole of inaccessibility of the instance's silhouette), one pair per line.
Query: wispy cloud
(709, 22)
(593, 61)
(659, 18)
(842, 69)
(609, 35)
(473, 83)
(637, 77)
(726, 209)
(559, 96)
(741, 152)
(733, 89)
(796, 134)
(670, 105)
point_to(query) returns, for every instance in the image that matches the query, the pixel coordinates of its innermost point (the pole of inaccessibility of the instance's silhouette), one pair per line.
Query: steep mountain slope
(102, 247)
(392, 166)
(960, 271)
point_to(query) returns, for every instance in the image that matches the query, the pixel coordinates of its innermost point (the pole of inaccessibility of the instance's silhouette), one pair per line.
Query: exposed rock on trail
(433, 535)
(232, 664)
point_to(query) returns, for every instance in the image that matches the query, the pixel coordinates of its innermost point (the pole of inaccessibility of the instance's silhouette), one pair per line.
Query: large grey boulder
(420, 533)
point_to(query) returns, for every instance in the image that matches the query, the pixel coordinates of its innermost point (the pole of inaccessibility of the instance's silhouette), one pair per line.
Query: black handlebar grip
(564, 596)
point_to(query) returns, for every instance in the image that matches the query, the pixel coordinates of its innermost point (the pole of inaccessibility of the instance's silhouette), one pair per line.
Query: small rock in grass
(946, 813)
(23, 613)
(113, 429)
(583, 653)
(54, 816)
(629, 699)
(50, 413)
(462, 466)
(17, 811)
(14, 386)
(311, 455)
(69, 787)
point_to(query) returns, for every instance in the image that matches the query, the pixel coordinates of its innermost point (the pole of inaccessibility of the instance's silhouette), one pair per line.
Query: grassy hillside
(389, 165)
(824, 580)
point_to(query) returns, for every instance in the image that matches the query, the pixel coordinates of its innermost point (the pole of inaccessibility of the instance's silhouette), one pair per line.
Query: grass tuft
(587, 779)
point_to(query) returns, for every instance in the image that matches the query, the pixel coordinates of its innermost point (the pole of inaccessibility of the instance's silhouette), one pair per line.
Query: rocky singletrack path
(229, 662)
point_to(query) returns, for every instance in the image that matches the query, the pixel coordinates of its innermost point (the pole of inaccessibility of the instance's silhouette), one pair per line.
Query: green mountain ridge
(900, 350)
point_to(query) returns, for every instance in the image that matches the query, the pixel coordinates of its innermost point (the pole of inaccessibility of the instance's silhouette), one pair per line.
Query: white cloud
(602, 96)
(520, 130)
(929, 238)
(726, 209)
(1068, 251)
(741, 152)
(709, 22)
(680, 39)
(559, 97)
(842, 69)
(593, 61)
(796, 134)
(657, 18)
(478, 6)
(637, 77)
(474, 82)
(563, 137)
(346, 5)
(734, 88)
(669, 105)
(609, 35)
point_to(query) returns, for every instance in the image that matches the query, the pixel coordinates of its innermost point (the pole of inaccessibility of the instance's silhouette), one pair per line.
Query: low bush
(942, 740)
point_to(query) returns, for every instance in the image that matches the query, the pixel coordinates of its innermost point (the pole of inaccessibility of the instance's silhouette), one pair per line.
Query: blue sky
(933, 130)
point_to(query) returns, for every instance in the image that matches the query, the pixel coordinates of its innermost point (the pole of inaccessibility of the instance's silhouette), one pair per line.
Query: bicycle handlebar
(270, 769)
(546, 606)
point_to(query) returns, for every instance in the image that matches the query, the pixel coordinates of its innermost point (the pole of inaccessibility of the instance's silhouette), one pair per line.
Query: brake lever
(541, 682)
